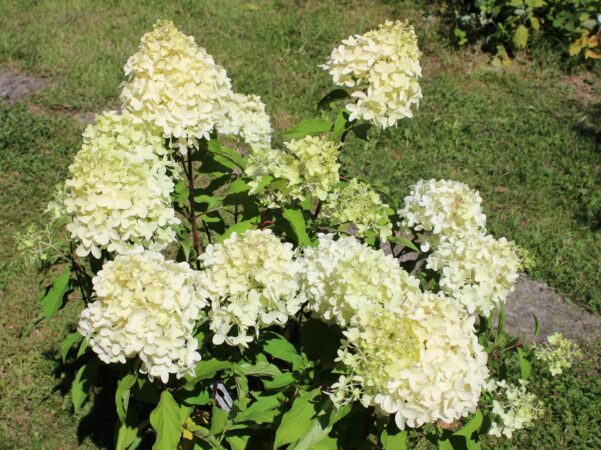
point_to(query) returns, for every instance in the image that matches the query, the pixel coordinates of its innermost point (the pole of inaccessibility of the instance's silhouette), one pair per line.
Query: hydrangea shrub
(242, 294)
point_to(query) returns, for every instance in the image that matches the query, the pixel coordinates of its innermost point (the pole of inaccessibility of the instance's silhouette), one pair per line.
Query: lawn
(527, 138)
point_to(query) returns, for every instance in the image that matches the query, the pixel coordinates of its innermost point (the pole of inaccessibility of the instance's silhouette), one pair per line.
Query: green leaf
(207, 368)
(238, 186)
(360, 130)
(166, 419)
(520, 38)
(280, 381)
(238, 442)
(124, 386)
(84, 379)
(322, 425)
(297, 222)
(308, 127)
(332, 96)
(394, 441)
(278, 347)
(263, 410)
(525, 366)
(340, 125)
(298, 420)
(218, 420)
(471, 425)
(259, 369)
(68, 342)
(128, 437)
(226, 152)
(53, 300)
(404, 242)
(238, 228)
(536, 326)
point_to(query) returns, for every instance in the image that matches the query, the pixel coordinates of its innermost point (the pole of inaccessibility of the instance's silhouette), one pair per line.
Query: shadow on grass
(97, 420)
(590, 192)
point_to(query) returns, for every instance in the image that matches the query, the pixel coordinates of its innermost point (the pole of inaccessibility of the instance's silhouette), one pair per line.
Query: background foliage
(523, 137)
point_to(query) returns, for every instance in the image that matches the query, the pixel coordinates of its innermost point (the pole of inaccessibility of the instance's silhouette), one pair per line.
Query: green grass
(526, 138)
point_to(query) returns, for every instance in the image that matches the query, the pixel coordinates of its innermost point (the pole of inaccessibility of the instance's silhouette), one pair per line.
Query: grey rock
(552, 311)
(15, 86)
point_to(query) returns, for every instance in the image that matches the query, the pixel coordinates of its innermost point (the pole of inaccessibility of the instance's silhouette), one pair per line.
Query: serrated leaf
(53, 300)
(70, 340)
(332, 96)
(298, 420)
(297, 222)
(280, 348)
(166, 419)
(85, 378)
(520, 38)
(308, 127)
(122, 393)
(237, 186)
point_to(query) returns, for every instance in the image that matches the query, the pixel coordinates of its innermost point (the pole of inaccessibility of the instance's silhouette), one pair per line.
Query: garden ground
(527, 137)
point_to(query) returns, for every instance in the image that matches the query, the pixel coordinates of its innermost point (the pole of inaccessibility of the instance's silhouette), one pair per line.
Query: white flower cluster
(383, 68)
(438, 209)
(175, 85)
(307, 166)
(477, 270)
(343, 279)
(515, 408)
(420, 361)
(559, 354)
(119, 193)
(145, 306)
(356, 203)
(251, 281)
(245, 116)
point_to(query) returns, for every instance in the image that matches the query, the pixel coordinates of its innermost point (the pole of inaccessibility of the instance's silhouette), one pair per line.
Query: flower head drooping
(514, 407)
(307, 166)
(439, 208)
(420, 361)
(476, 270)
(252, 282)
(245, 116)
(119, 190)
(356, 203)
(145, 306)
(383, 68)
(559, 354)
(345, 279)
(175, 85)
